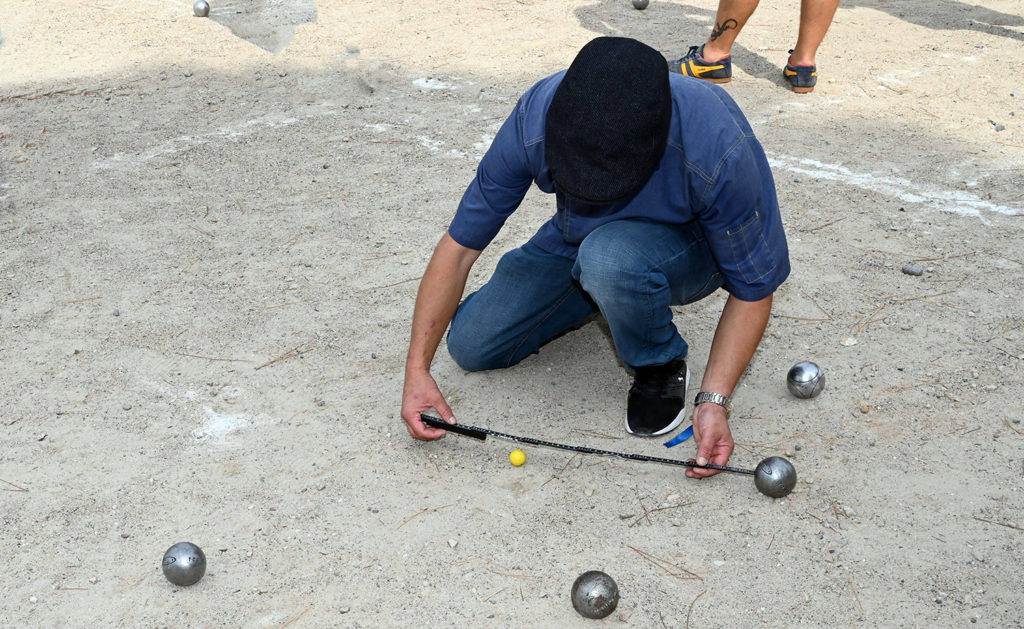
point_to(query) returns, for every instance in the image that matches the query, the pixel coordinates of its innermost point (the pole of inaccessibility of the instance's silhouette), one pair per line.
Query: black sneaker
(694, 64)
(657, 399)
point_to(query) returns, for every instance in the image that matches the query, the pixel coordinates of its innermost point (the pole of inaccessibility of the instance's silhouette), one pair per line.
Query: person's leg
(730, 18)
(712, 61)
(815, 18)
(530, 299)
(635, 270)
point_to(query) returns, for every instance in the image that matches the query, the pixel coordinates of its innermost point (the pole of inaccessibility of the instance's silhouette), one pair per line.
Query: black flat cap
(608, 122)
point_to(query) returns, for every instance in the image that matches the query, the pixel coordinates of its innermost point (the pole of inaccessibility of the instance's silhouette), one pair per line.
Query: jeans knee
(469, 352)
(604, 270)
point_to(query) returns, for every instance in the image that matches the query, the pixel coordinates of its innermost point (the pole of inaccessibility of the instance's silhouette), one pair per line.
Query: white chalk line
(958, 202)
(955, 201)
(181, 143)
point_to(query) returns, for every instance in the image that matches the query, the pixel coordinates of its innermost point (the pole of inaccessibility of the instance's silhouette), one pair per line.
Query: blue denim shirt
(714, 171)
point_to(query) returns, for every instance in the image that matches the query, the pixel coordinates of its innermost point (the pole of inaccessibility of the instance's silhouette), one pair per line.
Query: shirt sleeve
(502, 179)
(743, 226)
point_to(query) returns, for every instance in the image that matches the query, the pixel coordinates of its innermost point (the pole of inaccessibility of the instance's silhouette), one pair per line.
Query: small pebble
(41, 437)
(588, 491)
(343, 610)
(848, 341)
(93, 580)
(912, 269)
(33, 599)
(127, 407)
(117, 313)
(453, 543)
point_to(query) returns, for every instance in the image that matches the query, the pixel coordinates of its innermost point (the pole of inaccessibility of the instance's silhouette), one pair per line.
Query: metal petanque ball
(640, 5)
(595, 594)
(805, 380)
(201, 8)
(184, 563)
(775, 477)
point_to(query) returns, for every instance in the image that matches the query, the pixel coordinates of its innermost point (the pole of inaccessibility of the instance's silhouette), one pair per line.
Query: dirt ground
(212, 231)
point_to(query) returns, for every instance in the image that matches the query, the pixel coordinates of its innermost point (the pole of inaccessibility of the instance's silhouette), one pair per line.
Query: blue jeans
(631, 271)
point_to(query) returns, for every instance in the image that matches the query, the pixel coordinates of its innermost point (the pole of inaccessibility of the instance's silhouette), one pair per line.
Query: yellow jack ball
(517, 457)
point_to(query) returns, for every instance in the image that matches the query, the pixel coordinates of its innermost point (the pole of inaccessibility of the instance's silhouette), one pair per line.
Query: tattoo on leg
(721, 28)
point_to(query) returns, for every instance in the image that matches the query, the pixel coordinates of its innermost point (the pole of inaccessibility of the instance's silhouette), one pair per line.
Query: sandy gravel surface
(212, 231)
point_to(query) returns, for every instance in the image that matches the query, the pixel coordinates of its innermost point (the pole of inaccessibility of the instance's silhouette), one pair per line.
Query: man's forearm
(439, 294)
(738, 334)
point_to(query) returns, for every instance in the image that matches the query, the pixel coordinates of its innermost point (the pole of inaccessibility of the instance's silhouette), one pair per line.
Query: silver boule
(595, 594)
(201, 8)
(184, 563)
(805, 380)
(775, 477)
(640, 5)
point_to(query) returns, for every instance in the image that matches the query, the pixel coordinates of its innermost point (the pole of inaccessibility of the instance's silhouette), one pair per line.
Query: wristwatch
(714, 398)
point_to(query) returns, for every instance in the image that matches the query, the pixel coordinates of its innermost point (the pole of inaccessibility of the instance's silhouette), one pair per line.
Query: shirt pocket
(750, 252)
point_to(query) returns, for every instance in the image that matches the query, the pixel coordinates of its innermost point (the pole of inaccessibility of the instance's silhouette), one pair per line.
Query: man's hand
(421, 394)
(438, 296)
(739, 331)
(714, 439)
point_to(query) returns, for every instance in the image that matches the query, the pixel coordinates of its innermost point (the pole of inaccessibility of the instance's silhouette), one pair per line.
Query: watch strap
(714, 398)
